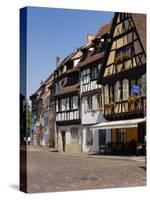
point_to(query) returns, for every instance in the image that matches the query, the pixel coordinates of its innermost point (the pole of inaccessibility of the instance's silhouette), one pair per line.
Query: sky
(53, 32)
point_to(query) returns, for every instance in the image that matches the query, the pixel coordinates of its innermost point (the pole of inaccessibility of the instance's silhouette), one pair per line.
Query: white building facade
(91, 111)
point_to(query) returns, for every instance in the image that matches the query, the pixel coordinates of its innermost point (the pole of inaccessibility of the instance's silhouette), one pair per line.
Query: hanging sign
(135, 89)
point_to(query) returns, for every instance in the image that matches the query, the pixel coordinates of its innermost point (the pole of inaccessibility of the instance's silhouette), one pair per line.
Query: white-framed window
(68, 104)
(86, 76)
(63, 104)
(75, 102)
(74, 138)
(89, 137)
(117, 91)
(57, 105)
(94, 73)
(106, 93)
(125, 89)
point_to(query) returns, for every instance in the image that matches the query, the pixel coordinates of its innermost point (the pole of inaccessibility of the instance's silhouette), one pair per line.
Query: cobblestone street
(52, 171)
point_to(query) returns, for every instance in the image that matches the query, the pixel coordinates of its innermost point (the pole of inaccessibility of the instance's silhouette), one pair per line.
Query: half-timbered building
(91, 92)
(66, 95)
(123, 76)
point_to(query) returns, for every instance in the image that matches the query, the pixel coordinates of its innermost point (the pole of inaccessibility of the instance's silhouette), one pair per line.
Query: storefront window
(102, 137)
(121, 135)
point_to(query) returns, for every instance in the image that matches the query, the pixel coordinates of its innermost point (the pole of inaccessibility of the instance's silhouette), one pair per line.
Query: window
(75, 102)
(123, 53)
(121, 135)
(144, 85)
(89, 137)
(86, 76)
(99, 67)
(63, 104)
(111, 93)
(99, 101)
(125, 89)
(89, 103)
(71, 103)
(94, 73)
(102, 137)
(117, 91)
(106, 93)
(57, 105)
(74, 139)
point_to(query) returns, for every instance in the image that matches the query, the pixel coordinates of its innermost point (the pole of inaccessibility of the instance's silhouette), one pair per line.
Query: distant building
(66, 95)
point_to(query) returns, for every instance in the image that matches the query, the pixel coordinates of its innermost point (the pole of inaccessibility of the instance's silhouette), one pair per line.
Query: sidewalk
(86, 155)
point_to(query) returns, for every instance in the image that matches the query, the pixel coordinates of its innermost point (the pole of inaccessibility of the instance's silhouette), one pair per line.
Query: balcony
(134, 106)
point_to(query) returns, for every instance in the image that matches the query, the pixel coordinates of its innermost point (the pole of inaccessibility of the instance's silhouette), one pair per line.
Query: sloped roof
(67, 90)
(140, 23)
(103, 30)
(91, 59)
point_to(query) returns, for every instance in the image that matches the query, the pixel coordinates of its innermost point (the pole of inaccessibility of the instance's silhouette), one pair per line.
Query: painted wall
(90, 117)
(69, 147)
(95, 145)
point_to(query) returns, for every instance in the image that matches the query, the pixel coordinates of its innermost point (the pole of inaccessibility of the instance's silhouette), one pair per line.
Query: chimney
(90, 37)
(58, 61)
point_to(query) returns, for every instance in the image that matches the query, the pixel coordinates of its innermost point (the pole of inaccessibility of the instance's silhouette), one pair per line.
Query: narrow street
(52, 171)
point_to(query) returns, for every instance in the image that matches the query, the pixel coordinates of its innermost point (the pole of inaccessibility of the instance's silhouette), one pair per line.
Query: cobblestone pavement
(52, 171)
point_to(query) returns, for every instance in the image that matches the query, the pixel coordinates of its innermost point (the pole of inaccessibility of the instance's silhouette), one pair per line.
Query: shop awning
(132, 123)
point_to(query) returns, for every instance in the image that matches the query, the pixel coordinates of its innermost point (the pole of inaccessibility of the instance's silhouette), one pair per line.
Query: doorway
(63, 136)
